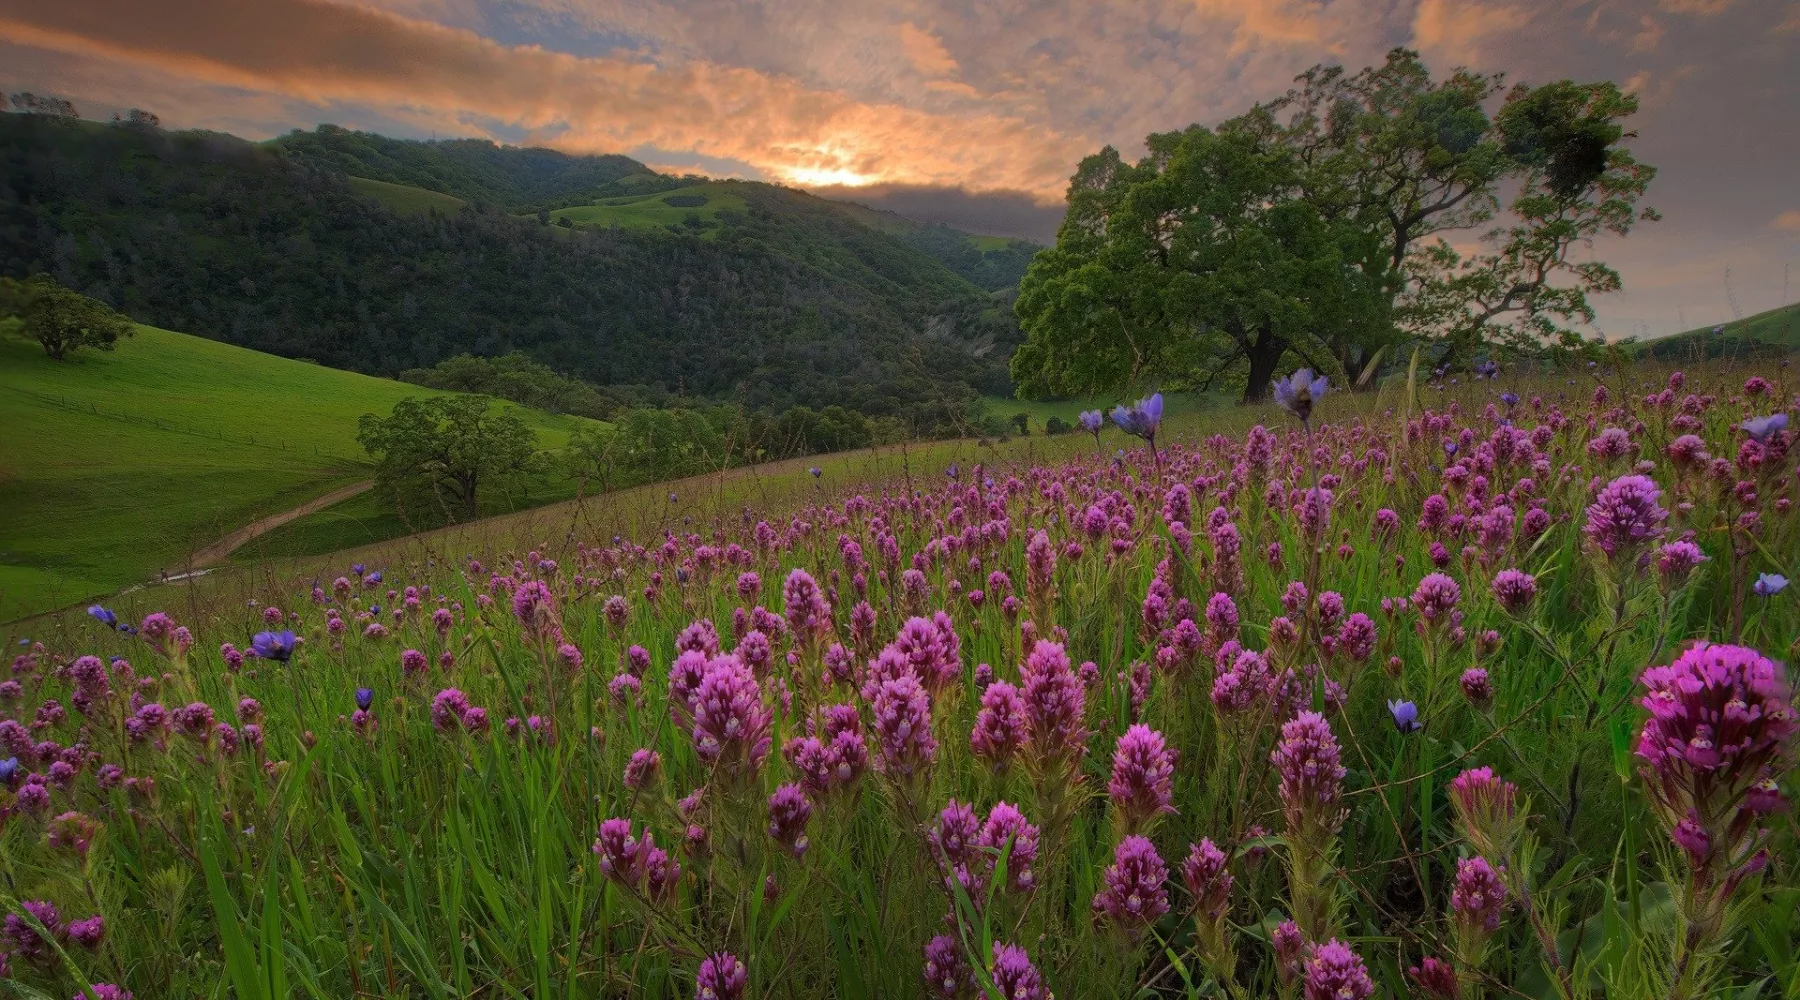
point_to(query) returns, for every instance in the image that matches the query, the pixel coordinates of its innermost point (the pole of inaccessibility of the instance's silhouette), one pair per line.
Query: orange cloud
(326, 52)
(1453, 29)
(1788, 221)
(1292, 22)
(926, 51)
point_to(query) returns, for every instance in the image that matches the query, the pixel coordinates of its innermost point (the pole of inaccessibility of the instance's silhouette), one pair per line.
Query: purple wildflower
(1625, 516)
(903, 723)
(1334, 972)
(731, 723)
(789, 812)
(1136, 893)
(1143, 775)
(1307, 760)
(1015, 978)
(721, 977)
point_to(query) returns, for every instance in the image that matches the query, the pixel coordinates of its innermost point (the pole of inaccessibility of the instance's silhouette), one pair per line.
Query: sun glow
(823, 176)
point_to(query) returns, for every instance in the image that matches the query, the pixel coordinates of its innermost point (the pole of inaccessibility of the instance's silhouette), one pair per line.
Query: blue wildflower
(1406, 716)
(104, 616)
(1770, 584)
(274, 645)
(1510, 398)
(1298, 392)
(1761, 428)
(9, 769)
(1091, 421)
(1141, 419)
(364, 698)
(816, 471)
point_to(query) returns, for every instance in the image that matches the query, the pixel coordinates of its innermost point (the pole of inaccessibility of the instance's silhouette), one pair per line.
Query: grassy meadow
(406, 199)
(722, 731)
(658, 210)
(115, 466)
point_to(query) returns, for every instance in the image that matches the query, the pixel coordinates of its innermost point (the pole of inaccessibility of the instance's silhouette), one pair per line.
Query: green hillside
(406, 199)
(695, 207)
(114, 466)
(470, 169)
(1776, 330)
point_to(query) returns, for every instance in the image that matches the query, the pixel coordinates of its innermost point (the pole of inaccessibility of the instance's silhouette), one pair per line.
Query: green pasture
(658, 210)
(405, 199)
(115, 466)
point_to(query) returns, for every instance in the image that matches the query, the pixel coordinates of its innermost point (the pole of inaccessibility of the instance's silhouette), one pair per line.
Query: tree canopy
(435, 455)
(1312, 230)
(60, 320)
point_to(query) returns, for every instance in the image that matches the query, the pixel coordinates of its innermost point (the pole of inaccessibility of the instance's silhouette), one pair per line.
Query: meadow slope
(116, 466)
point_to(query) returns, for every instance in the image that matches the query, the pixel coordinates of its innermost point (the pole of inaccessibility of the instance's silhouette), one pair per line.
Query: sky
(970, 113)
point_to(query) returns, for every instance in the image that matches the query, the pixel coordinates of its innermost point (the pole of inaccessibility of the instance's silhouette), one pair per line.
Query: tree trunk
(1264, 353)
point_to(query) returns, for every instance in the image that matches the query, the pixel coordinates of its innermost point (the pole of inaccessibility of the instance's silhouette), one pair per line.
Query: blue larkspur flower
(1298, 392)
(1762, 428)
(1142, 418)
(364, 698)
(1769, 584)
(1091, 421)
(1406, 716)
(104, 616)
(274, 645)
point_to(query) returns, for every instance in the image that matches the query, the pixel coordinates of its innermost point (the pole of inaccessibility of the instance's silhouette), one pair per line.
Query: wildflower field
(1475, 693)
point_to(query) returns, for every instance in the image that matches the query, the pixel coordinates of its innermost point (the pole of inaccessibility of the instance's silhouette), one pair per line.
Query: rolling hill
(1774, 331)
(115, 466)
(790, 300)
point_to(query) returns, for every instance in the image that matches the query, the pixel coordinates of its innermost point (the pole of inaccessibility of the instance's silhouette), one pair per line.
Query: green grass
(653, 211)
(405, 199)
(1779, 327)
(117, 465)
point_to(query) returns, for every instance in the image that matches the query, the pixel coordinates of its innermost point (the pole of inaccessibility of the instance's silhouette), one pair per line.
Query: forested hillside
(788, 302)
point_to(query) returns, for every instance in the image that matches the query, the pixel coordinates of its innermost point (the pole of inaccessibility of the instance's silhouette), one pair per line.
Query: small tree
(61, 320)
(447, 449)
(1023, 422)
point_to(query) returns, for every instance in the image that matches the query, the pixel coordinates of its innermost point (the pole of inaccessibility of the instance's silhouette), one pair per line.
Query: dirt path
(217, 551)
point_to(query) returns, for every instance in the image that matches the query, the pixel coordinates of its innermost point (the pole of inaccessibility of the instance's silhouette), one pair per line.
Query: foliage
(1203, 254)
(419, 805)
(1369, 171)
(436, 454)
(518, 378)
(61, 321)
(1417, 158)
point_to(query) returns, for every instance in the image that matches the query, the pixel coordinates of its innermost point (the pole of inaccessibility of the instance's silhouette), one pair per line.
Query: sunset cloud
(326, 52)
(1456, 29)
(969, 112)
